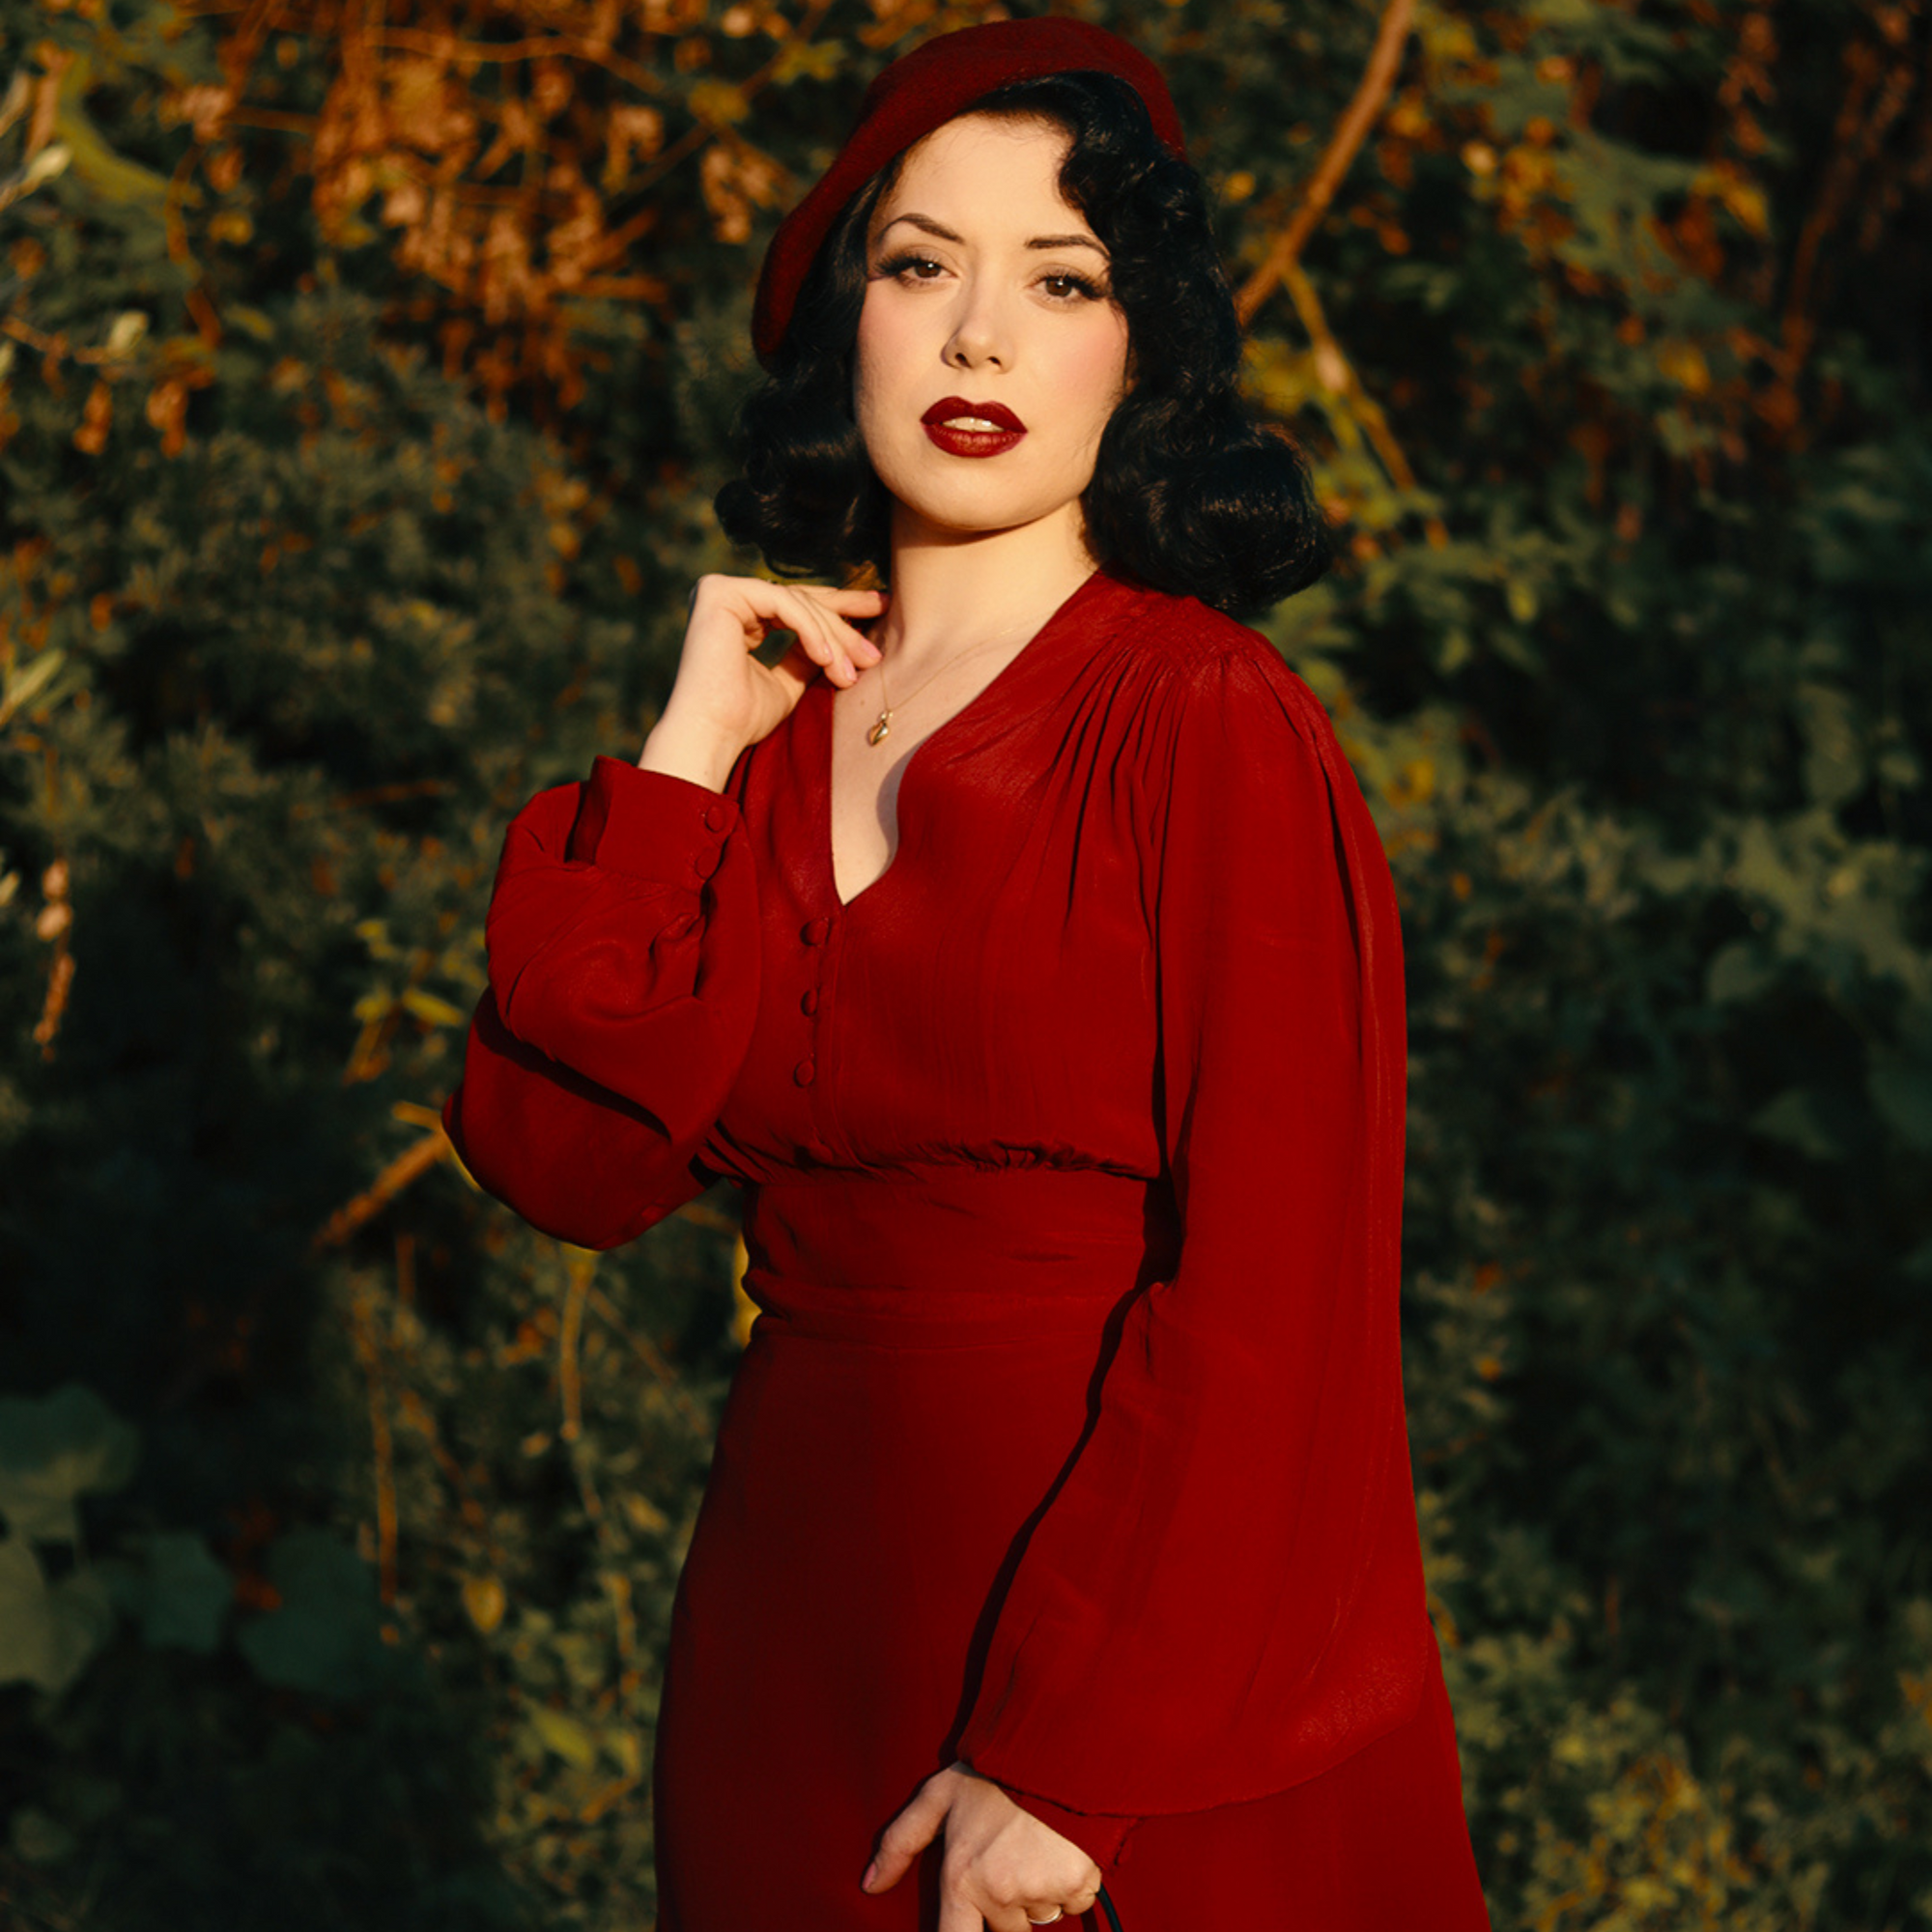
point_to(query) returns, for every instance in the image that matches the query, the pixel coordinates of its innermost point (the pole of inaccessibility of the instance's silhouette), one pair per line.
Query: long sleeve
(623, 953)
(1224, 1597)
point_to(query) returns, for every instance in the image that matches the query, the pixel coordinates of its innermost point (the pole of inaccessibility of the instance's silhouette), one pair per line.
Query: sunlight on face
(984, 285)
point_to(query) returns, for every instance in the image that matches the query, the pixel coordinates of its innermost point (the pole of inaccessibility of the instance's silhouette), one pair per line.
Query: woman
(1031, 964)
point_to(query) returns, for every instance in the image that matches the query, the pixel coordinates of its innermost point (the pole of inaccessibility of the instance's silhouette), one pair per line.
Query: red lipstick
(957, 441)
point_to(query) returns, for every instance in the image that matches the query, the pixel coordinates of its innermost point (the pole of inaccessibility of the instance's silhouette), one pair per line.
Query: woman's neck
(951, 593)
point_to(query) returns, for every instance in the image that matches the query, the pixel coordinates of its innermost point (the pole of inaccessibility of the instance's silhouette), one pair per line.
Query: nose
(982, 330)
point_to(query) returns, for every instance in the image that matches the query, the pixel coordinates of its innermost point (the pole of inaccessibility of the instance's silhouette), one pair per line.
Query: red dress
(1069, 1439)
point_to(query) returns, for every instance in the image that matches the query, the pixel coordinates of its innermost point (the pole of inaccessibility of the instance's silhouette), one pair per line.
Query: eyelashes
(1088, 289)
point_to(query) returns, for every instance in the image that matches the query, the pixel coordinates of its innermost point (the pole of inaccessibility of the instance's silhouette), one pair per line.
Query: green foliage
(343, 1513)
(54, 1451)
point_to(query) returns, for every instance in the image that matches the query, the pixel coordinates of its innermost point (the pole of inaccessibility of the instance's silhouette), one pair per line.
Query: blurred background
(366, 368)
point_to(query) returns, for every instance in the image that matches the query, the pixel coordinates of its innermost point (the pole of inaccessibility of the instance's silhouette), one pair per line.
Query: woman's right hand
(723, 694)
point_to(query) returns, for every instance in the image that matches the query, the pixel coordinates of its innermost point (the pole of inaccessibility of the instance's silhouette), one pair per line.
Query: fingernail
(871, 1872)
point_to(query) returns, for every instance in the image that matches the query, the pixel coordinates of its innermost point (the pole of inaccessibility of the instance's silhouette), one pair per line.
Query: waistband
(957, 1254)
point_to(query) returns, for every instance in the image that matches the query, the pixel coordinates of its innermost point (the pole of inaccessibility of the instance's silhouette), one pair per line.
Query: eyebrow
(933, 227)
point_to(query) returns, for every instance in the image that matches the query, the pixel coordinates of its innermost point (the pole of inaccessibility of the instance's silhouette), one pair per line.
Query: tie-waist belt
(956, 1255)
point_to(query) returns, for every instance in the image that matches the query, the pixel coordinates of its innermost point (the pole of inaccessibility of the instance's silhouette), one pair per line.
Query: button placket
(816, 933)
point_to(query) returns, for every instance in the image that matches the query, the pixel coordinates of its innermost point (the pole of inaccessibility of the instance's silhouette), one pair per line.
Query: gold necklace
(878, 732)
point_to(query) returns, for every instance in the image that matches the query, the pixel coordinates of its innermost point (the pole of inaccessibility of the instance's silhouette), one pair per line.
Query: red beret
(916, 93)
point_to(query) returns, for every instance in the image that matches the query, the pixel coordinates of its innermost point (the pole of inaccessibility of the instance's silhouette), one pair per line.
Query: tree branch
(1351, 131)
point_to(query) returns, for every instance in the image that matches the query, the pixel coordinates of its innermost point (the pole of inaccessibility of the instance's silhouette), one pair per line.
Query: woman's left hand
(1001, 1864)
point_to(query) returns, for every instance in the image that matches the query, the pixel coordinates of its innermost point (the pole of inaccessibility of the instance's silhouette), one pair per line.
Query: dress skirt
(925, 1362)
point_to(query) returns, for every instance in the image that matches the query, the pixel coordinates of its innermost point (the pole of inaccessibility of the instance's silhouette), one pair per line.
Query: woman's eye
(1087, 290)
(900, 264)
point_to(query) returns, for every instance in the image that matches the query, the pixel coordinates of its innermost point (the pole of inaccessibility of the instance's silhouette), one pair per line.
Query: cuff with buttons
(652, 825)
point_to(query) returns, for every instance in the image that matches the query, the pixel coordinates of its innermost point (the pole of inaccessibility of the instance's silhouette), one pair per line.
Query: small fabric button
(814, 931)
(810, 1003)
(804, 1072)
(705, 863)
(716, 818)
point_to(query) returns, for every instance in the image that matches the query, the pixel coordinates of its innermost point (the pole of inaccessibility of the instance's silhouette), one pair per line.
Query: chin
(981, 510)
(971, 497)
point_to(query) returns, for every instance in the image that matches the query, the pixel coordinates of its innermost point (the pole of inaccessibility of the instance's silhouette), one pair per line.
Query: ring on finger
(1048, 1919)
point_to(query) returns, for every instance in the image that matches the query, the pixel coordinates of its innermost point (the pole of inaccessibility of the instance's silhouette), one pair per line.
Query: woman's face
(985, 287)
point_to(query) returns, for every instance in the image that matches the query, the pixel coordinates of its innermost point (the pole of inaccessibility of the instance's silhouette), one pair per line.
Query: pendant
(879, 730)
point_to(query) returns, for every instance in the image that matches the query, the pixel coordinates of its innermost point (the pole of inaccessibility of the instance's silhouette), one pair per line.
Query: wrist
(689, 749)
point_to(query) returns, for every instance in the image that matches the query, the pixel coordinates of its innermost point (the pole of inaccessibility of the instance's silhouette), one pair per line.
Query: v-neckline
(977, 703)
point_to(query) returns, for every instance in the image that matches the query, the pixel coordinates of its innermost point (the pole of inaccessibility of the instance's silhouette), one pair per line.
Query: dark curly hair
(1192, 492)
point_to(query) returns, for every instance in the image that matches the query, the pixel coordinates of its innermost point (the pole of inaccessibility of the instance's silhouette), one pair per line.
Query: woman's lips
(945, 424)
